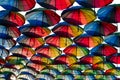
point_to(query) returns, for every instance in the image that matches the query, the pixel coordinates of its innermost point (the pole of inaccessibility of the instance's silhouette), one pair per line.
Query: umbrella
(113, 71)
(76, 50)
(105, 77)
(110, 13)
(3, 52)
(115, 58)
(89, 59)
(49, 51)
(30, 41)
(64, 77)
(55, 4)
(88, 41)
(9, 30)
(25, 51)
(100, 28)
(17, 5)
(78, 15)
(71, 71)
(94, 3)
(34, 31)
(67, 30)
(44, 77)
(84, 77)
(65, 59)
(113, 39)
(93, 72)
(58, 41)
(13, 18)
(42, 17)
(103, 49)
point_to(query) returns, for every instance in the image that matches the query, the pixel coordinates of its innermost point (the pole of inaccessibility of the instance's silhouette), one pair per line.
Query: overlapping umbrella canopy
(79, 43)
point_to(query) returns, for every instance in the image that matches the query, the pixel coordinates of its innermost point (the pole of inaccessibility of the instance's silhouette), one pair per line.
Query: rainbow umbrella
(9, 30)
(44, 76)
(110, 13)
(3, 52)
(105, 77)
(76, 50)
(13, 18)
(65, 59)
(25, 51)
(113, 71)
(34, 31)
(30, 41)
(17, 5)
(115, 58)
(49, 51)
(64, 77)
(89, 59)
(84, 77)
(94, 3)
(42, 17)
(55, 4)
(103, 49)
(97, 28)
(58, 41)
(67, 30)
(88, 41)
(78, 15)
(113, 39)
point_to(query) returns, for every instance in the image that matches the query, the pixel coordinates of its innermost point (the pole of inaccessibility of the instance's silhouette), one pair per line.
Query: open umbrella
(58, 41)
(34, 31)
(104, 50)
(105, 77)
(25, 51)
(55, 4)
(30, 41)
(94, 3)
(72, 71)
(113, 71)
(88, 41)
(93, 72)
(67, 30)
(113, 39)
(44, 76)
(100, 28)
(76, 50)
(115, 58)
(13, 18)
(48, 50)
(78, 15)
(42, 17)
(3, 52)
(17, 5)
(84, 77)
(109, 13)
(64, 77)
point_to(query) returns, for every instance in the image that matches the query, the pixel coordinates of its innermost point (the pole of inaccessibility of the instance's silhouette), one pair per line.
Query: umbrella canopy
(58, 41)
(67, 30)
(110, 13)
(65, 59)
(15, 18)
(64, 77)
(25, 51)
(18, 5)
(71, 71)
(113, 39)
(86, 77)
(100, 28)
(55, 4)
(93, 72)
(30, 41)
(88, 41)
(105, 77)
(104, 50)
(78, 15)
(44, 77)
(76, 50)
(42, 17)
(49, 51)
(34, 31)
(3, 52)
(115, 58)
(113, 71)
(94, 3)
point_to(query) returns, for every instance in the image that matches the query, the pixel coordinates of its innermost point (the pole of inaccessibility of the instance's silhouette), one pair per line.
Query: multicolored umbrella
(113, 39)
(58, 41)
(76, 50)
(110, 13)
(34, 31)
(97, 28)
(42, 17)
(25, 51)
(93, 72)
(115, 58)
(3, 52)
(105, 77)
(17, 5)
(67, 30)
(86, 77)
(94, 3)
(104, 50)
(72, 72)
(78, 15)
(64, 77)
(113, 71)
(88, 41)
(55, 4)
(49, 51)
(30, 41)
(11, 17)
